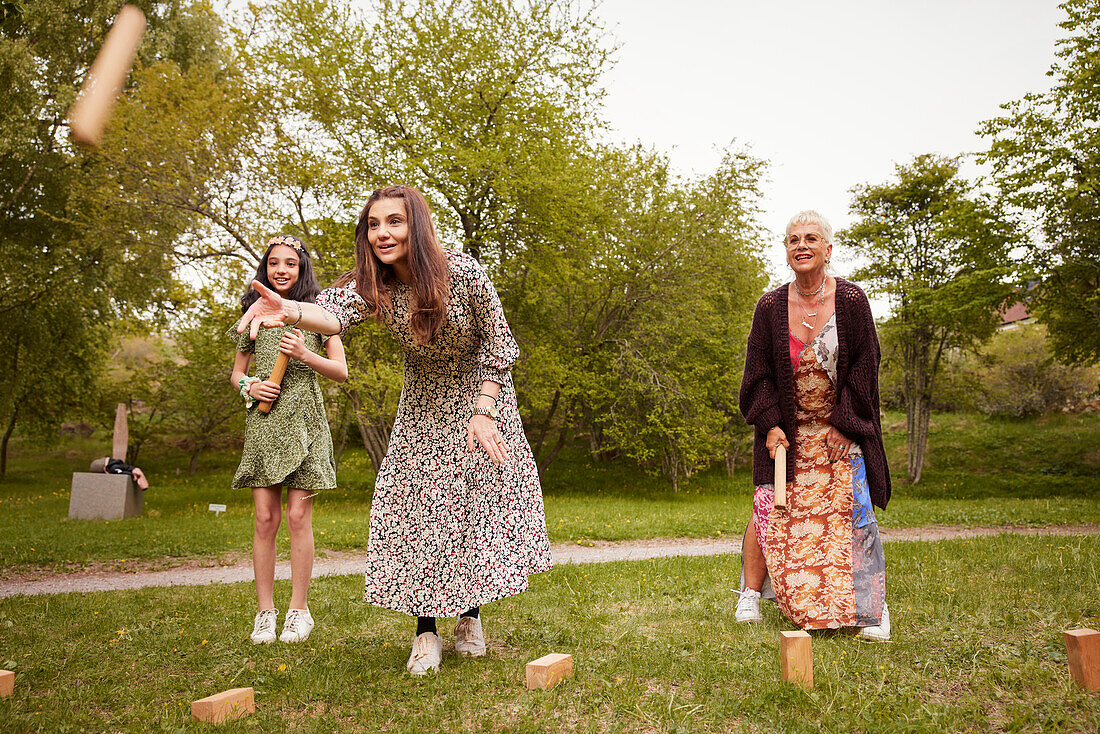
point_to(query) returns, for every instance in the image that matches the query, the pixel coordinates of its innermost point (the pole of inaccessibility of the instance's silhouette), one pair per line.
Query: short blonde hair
(810, 217)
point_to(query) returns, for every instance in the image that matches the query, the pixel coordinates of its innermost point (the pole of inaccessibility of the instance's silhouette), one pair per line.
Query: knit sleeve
(759, 398)
(857, 400)
(498, 350)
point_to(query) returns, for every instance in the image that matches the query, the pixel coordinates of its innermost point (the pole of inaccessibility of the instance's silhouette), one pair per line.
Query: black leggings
(427, 624)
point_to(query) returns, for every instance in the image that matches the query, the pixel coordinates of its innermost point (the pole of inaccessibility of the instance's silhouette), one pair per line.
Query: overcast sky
(831, 92)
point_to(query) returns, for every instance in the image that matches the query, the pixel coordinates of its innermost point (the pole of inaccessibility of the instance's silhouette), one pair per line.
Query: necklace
(814, 292)
(806, 314)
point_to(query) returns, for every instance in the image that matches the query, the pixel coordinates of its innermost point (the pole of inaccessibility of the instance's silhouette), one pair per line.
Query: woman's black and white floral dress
(450, 530)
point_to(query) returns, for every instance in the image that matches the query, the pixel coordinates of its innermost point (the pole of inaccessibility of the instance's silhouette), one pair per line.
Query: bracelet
(299, 305)
(245, 383)
(487, 395)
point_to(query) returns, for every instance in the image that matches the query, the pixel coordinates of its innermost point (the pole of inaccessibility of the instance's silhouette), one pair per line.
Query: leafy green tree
(73, 237)
(1045, 154)
(198, 401)
(941, 253)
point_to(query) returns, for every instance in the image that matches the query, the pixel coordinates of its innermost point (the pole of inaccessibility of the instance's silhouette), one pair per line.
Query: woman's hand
(776, 437)
(836, 444)
(483, 430)
(265, 391)
(293, 344)
(267, 310)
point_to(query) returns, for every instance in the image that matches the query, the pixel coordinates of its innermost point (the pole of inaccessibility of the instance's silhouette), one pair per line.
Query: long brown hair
(428, 269)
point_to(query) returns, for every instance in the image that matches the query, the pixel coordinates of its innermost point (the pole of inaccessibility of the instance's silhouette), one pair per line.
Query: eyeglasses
(811, 239)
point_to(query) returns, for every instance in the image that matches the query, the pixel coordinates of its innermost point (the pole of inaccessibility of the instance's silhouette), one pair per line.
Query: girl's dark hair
(428, 269)
(306, 289)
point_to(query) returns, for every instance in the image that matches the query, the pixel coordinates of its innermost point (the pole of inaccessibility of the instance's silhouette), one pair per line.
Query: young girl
(291, 446)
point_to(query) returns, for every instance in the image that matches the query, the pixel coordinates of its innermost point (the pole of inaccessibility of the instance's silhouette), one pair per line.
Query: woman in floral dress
(457, 516)
(811, 385)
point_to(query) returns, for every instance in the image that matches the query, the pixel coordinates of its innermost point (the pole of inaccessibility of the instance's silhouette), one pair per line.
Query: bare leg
(299, 520)
(269, 513)
(752, 560)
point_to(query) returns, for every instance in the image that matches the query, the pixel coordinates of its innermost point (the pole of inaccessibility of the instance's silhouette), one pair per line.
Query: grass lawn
(977, 647)
(979, 472)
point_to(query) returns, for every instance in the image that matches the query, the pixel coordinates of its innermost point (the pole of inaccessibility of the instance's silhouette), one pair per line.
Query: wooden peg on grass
(231, 704)
(780, 477)
(7, 683)
(1083, 655)
(548, 670)
(797, 658)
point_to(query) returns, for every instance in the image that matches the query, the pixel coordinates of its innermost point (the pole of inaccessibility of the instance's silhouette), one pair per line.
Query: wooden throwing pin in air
(88, 115)
(780, 477)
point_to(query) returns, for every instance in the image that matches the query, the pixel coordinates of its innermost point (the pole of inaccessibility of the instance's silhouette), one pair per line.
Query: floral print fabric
(824, 556)
(291, 445)
(450, 530)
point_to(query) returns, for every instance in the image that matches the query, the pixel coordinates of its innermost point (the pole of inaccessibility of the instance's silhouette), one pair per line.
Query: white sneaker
(297, 625)
(748, 607)
(426, 653)
(263, 629)
(469, 639)
(881, 631)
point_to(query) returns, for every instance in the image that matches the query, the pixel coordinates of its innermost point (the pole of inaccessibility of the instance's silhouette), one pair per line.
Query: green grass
(977, 647)
(979, 472)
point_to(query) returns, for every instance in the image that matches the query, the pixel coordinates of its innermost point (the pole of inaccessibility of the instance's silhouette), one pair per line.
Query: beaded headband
(289, 241)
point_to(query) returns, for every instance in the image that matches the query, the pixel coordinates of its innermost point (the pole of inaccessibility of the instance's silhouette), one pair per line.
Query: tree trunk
(562, 436)
(194, 467)
(4, 443)
(372, 429)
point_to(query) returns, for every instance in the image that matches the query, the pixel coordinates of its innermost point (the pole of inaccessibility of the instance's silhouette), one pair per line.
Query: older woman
(811, 385)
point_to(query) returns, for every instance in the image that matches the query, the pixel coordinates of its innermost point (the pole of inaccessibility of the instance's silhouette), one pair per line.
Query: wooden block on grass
(548, 670)
(796, 655)
(231, 704)
(1083, 654)
(7, 683)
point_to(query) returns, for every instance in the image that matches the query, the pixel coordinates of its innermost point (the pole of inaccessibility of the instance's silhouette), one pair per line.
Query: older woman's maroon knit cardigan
(767, 387)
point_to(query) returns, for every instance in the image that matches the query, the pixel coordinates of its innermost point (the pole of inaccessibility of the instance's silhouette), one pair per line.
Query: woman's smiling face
(388, 233)
(807, 250)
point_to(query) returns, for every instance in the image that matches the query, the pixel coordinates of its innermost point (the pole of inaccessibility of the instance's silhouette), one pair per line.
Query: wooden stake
(277, 377)
(7, 683)
(231, 704)
(1083, 655)
(121, 439)
(797, 658)
(88, 115)
(548, 670)
(780, 477)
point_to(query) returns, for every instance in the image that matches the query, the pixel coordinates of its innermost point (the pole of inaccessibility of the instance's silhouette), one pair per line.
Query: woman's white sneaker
(748, 607)
(263, 628)
(469, 639)
(427, 651)
(881, 631)
(297, 626)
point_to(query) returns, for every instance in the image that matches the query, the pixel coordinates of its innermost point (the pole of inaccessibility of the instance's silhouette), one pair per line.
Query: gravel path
(343, 563)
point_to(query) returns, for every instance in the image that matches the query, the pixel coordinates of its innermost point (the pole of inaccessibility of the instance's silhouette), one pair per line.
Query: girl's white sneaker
(426, 654)
(297, 626)
(263, 628)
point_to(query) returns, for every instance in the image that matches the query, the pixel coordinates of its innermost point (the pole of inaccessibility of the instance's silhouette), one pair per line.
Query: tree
(72, 236)
(1045, 154)
(941, 253)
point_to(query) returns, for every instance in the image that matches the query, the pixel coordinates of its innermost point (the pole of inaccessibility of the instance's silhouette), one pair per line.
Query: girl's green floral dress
(291, 445)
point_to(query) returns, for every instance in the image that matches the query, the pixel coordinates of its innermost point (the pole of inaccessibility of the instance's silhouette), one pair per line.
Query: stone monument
(99, 496)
